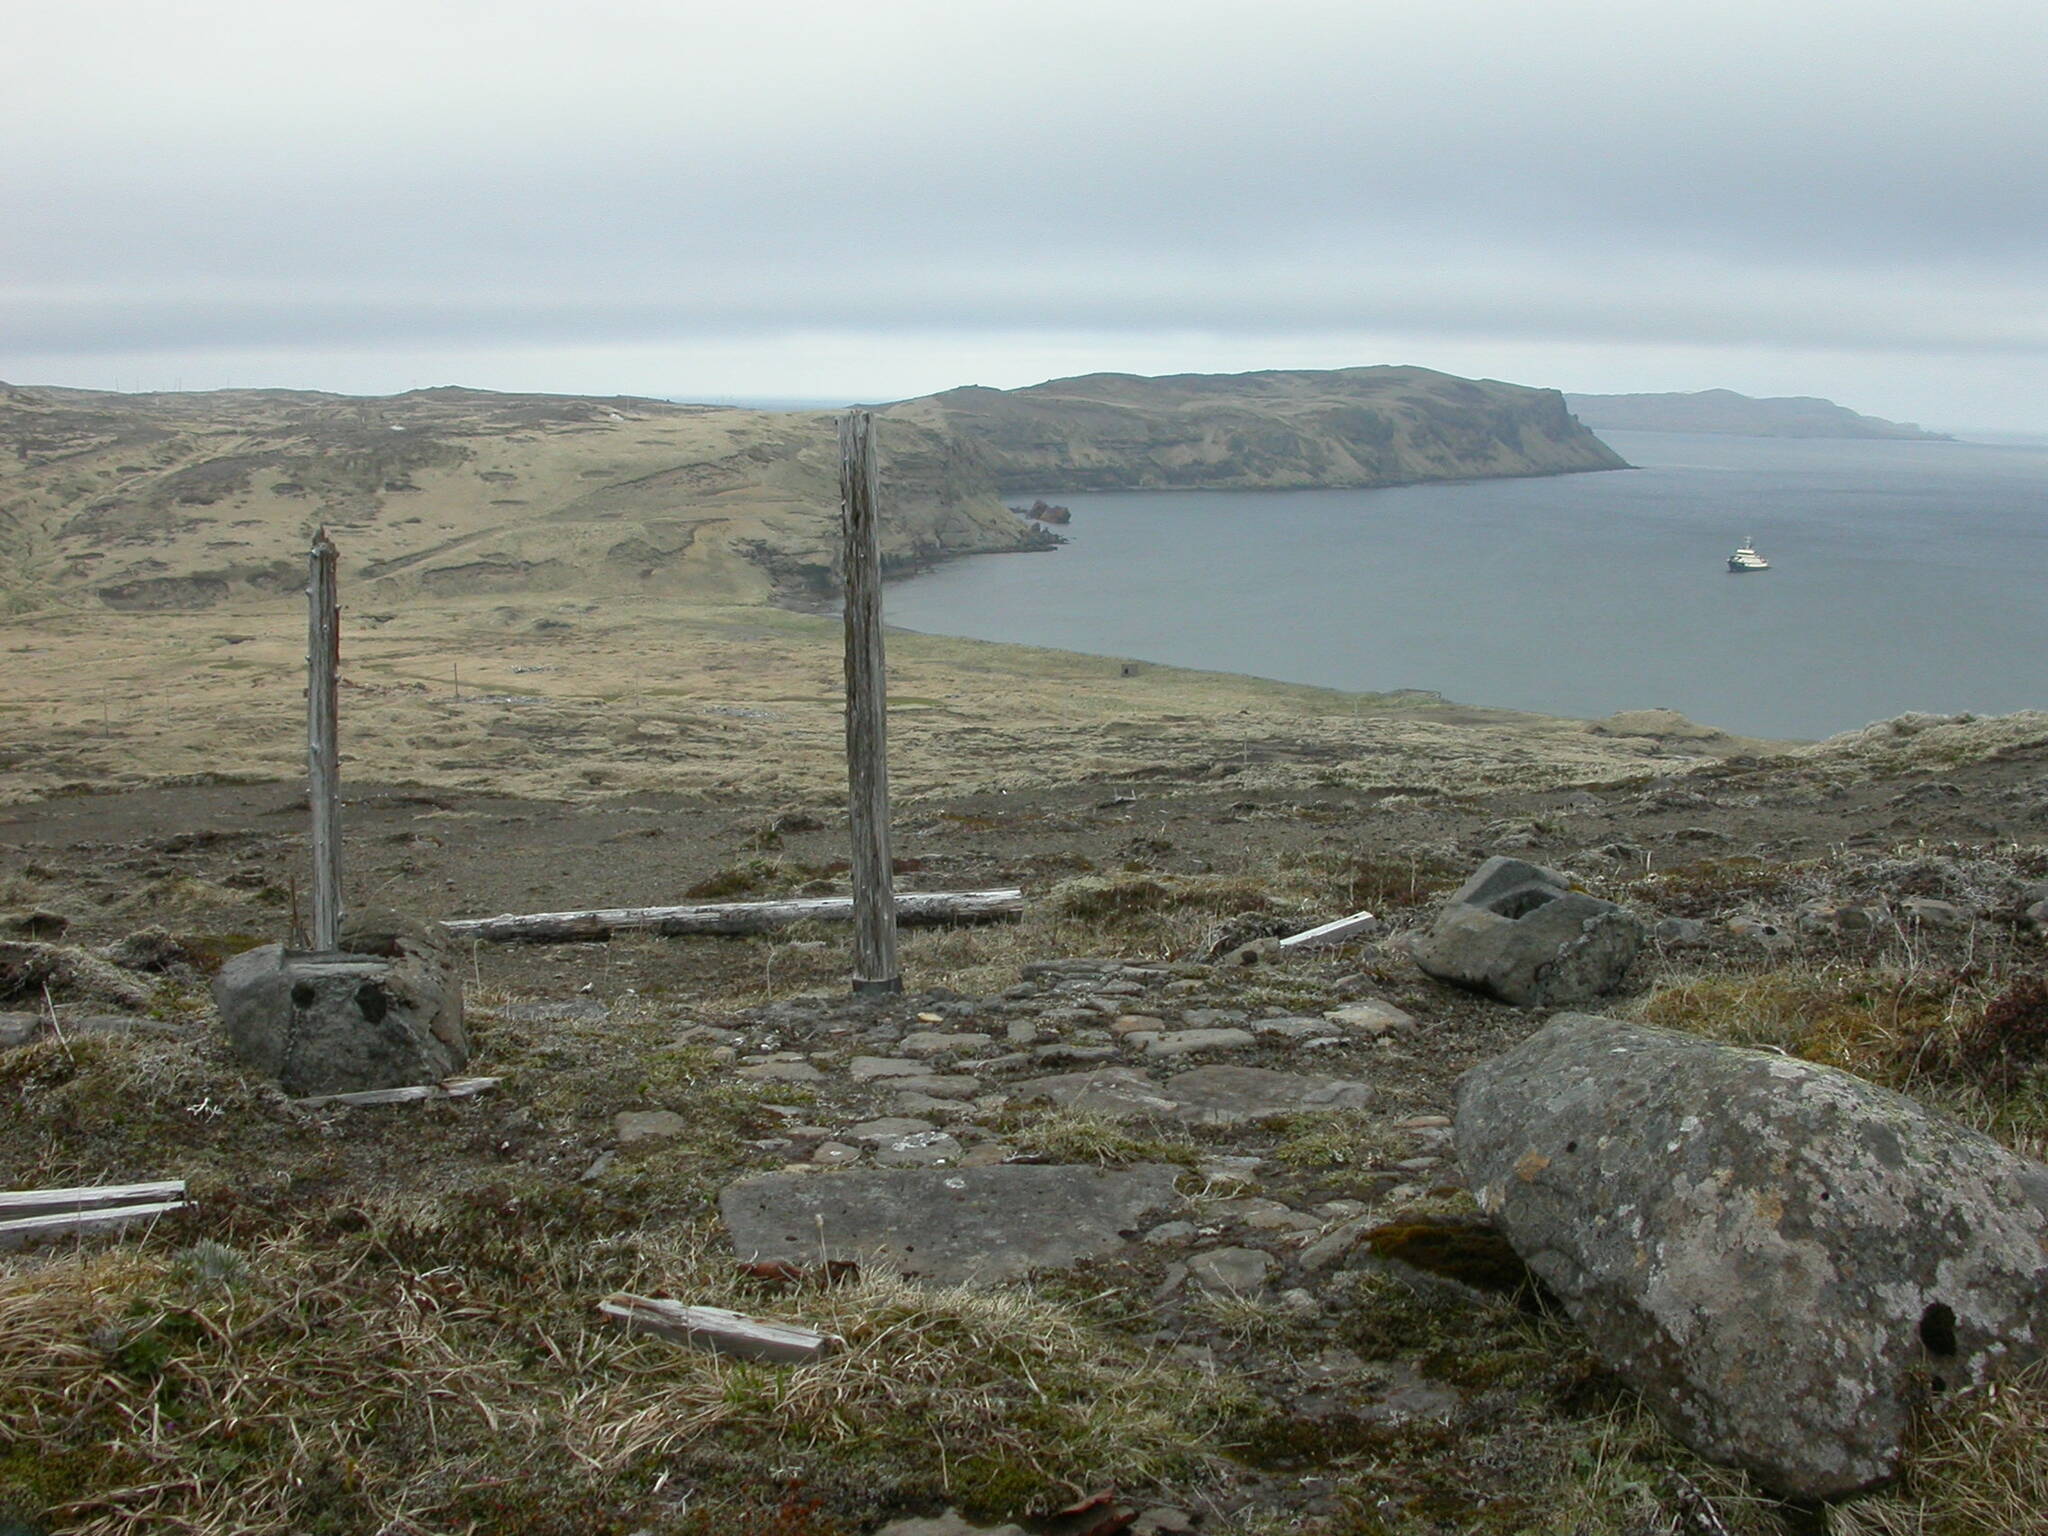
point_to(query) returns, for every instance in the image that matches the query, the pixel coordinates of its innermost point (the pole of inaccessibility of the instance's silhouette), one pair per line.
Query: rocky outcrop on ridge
(1276, 430)
(1723, 410)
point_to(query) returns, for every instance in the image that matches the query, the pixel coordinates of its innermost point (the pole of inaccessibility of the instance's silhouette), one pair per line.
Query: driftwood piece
(720, 1332)
(733, 917)
(447, 1088)
(1332, 933)
(27, 1215)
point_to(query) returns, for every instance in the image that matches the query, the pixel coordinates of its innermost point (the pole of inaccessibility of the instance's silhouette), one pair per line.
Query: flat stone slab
(952, 1225)
(867, 1069)
(781, 1072)
(647, 1125)
(1187, 1042)
(1371, 1017)
(1204, 1096)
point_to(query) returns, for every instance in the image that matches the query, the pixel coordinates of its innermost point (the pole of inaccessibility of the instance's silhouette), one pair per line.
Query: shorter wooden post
(323, 753)
(875, 968)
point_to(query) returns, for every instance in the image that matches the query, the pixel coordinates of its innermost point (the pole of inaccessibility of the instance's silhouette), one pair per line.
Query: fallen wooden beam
(733, 917)
(447, 1088)
(27, 1215)
(718, 1331)
(43, 1202)
(1343, 928)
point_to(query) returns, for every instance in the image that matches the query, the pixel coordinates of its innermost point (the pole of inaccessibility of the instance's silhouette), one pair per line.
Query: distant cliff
(1279, 430)
(1723, 410)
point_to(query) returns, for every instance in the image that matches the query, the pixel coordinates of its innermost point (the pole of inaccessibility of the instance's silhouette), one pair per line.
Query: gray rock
(1219, 1096)
(948, 1524)
(977, 1225)
(835, 1154)
(932, 1042)
(888, 1128)
(1371, 1017)
(781, 1072)
(1186, 1042)
(1330, 1248)
(343, 1024)
(1231, 1269)
(1680, 930)
(2037, 915)
(19, 1028)
(1770, 1250)
(920, 1149)
(870, 1068)
(1295, 1028)
(647, 1125)
(1519, 933)
(947, 1086)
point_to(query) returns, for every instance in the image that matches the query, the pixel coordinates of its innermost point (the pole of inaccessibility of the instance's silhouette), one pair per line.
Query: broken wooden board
(29, 1215)
(719, 1331)
(733, 917)
(1344, 928)
(447, 1088)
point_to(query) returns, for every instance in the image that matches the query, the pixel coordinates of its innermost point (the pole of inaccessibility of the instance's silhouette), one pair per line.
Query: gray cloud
(222, 175)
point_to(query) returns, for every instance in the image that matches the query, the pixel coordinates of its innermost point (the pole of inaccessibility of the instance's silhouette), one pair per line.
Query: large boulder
(344, 1023)
(1779, 1255)
(1520, 933)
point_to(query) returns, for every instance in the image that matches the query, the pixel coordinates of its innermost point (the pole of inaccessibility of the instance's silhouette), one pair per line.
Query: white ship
(1747, 559)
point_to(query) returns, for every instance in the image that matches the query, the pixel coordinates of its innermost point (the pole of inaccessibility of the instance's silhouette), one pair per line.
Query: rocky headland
(1274, 430)
(1723, 410)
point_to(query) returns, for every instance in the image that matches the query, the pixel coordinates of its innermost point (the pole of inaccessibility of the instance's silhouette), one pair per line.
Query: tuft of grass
(1919, 1031)
(1320, 1142)
(1979, 1464)
(1079, 1136)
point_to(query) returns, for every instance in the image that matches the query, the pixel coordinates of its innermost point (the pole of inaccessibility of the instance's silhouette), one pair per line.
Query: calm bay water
(1905, 576)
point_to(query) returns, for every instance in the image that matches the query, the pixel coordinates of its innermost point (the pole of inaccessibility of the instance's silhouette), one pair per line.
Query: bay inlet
(1904, 576)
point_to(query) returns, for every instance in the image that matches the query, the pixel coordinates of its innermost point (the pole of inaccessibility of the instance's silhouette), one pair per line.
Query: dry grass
(436, 1367)
(1921, 1031)
(1980, 1466)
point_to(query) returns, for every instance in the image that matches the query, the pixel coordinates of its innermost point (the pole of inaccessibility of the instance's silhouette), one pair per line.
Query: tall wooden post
(867, 726)
(323, 754)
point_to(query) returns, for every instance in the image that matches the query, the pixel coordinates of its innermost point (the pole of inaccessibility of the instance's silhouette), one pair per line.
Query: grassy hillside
(155, 502)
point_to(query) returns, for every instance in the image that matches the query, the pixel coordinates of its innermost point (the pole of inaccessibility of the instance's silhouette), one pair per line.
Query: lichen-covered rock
(343, 1023)
(1773, 1252)
(1520, 933)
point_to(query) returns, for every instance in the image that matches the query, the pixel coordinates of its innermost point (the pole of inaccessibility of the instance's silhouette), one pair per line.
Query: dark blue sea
(1904, 576)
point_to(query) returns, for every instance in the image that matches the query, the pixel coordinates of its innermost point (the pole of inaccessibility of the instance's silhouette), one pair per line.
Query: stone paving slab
(1205, 1096)
(953, 1225)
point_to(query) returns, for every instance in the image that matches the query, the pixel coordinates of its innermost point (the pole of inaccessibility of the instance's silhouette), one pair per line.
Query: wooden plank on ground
(719, 1331)
(447, 1088)
(732, 917)
(1332, 933)
(23, 1229)
(43, 1202)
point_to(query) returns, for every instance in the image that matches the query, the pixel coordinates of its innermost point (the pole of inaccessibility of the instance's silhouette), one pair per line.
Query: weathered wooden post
(323, 755)
(875, 967)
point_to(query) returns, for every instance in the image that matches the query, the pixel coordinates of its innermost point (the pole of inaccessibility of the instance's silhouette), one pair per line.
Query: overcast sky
(875, 199)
